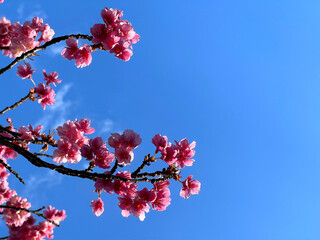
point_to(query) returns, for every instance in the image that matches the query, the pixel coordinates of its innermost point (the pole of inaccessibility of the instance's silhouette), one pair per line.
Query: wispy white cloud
(20, 10)
(56, 49)
(36, 185)
(107, 126)
(56, 115)
(37, 11)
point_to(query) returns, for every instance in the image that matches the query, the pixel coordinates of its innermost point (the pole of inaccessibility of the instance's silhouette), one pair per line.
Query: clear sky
(241, 78)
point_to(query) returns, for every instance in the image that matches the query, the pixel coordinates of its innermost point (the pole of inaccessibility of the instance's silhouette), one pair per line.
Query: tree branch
(11, 170)
(22, 100)
(43, 47)
(36, 212)
(36, 161)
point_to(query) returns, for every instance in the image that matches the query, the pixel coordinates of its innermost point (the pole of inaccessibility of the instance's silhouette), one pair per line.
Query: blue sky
(241, 78)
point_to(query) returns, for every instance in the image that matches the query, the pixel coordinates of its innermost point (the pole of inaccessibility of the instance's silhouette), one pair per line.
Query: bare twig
(36, 212)
(43, 154)
(22, 100)
(43, 47)
(146, 161)
(11, 170)
(36, 161)
(2, 238)
(35, 141)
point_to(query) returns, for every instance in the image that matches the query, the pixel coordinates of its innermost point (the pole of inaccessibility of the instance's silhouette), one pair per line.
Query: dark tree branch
(11, 170)
(36, 212)
(3, 129)
(22, 100)
(35, 141)
(43, 47)
(36, 161)
(4, 238)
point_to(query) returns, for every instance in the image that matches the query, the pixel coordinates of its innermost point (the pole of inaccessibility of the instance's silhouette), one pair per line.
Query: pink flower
(162, 200)
(83, 56)
(131, 139)
(138, 208)
(148, 196)
(124, 155)
(185, 153)
(54, 214)
(70, 51)
(169, 154)
(25, 71)
(122, 51)
(47, 33)
(189, 187)
(51, 77)
(103, 158)
(14, 217)
(29, 133)
(160, 142)
(111, 16)
(66, 152)
(115, 140)
(84, 126)
(46, 95)
(97, 207)
(105, 184)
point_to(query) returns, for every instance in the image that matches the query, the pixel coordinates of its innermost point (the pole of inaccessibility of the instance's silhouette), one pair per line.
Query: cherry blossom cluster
(130, 199)
(71, 140)
(21, 38)
(45, 94)
(116, 36)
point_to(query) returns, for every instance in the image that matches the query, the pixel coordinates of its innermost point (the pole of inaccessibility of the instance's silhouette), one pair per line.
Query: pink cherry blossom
(160, 142)
(51, 77)
(104, 184)
(55, 215)
(124, 155)
(115, 140)
(148, 196)
(103, 158)
(189, 187)
(97, 207)
(186, 151)
(14, 217)
(111, 16)
(25, 71)
(71, 50)
(46, 95)
(131, 139)
(138, 208)
(47, 33)
(83, 56)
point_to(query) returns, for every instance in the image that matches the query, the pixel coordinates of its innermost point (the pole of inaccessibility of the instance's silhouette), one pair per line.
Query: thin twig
(34, 141)
(36, 212)
(22, 100)
(146, 161)
(3, 238)
(12, 171)
(36, 161)
(43, 47)
(114, 168)
(43, 154)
